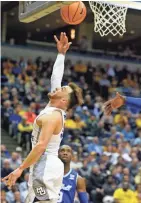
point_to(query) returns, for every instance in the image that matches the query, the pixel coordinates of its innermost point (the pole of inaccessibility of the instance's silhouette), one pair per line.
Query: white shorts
(45, 179)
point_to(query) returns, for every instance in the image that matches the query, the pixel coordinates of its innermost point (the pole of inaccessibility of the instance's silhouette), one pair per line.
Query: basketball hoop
(108, 18)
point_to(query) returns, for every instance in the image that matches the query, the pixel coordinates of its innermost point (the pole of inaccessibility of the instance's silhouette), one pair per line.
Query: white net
(108, 18)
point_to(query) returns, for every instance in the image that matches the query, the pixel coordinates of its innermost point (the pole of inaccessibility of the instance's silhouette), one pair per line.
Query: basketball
(74, 13)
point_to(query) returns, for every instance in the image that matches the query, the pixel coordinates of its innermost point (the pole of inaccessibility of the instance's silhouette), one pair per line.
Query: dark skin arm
(81, 184)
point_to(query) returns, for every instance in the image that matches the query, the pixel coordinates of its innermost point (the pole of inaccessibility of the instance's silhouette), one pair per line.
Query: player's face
(65, 154)
(60, 93)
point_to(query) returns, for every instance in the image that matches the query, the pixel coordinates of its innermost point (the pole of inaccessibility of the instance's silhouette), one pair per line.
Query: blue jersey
(67, 193)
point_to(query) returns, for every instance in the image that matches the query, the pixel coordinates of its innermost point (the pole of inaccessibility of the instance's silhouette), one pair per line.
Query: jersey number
(60, 197)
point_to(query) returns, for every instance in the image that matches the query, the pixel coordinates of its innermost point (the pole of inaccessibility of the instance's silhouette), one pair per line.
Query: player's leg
(54, 178)
(31, 195)
(47, 179)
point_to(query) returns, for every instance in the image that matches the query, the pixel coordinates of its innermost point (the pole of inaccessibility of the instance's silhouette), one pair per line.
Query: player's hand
(62, 44)
(114, 103)
(12, 177)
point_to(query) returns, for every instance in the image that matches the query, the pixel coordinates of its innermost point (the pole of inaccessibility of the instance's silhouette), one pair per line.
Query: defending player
(47, 170)
(120, 100)
(72, 182)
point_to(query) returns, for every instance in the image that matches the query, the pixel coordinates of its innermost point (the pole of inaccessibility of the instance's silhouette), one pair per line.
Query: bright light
(132, 32)
(72, 33)
(47, 25)
(37, 29)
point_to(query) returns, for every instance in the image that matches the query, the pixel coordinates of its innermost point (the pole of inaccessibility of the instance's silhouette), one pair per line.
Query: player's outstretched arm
(120, 100)
(135, 102)
(81, 190)
(49, 123)
(114, 103)
(58, 68)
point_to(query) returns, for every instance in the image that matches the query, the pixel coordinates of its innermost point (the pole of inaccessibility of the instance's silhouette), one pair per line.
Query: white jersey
(46, 175)
(54, 143)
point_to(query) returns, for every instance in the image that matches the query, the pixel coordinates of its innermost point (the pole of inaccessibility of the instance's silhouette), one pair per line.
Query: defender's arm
(81, 190)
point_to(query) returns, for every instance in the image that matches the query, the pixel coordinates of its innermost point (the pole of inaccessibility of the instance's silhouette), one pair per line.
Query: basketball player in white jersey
(47, 170)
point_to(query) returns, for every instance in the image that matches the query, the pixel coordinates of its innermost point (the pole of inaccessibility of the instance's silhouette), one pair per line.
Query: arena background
(109, 146)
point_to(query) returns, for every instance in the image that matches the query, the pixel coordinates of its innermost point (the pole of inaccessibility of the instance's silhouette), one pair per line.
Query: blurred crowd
(107, 149)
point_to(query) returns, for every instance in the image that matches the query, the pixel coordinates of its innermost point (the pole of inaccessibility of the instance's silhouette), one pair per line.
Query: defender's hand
(62, 44)
(114, 103)
(12, 177)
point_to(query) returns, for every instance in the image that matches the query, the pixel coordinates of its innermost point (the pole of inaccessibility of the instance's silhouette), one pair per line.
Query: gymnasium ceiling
(53, 22)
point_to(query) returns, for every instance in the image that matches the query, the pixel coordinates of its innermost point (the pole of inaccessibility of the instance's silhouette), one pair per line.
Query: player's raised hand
(12, 177)
(114, 103)
(62, 44)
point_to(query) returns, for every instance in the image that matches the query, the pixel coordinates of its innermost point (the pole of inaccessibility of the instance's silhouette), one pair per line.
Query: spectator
(139, 154)
(95, 183)
(22, 62)
(84, 171)
(92, 160)
(25, 130)
(137, 140)
(7, 110)
(127, 178)
(33, 107)
(117, 173)
(108, 122)
(7, 168)
(88, 102)
(84, 113)
(92, 126)
(134, 167)
(15, 161)
(110, 71)
(124, 194)
(138, 177)
(14, 120)
(95, 146)
(138, 121)
(80, 68)
(3, 197)
(128, 134)
(4, 152)
(121, 161)
(70, 123)
(30, 116)
(104, 86)
(120, 119)
(76, 164)
(97, 109)
(17, 197)
(109, 186)
(10, 197)
(79, 123)
(138, 194)
(23, 187)
(115, 133)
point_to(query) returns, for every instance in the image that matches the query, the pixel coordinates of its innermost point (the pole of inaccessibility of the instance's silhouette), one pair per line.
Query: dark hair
(76, 97)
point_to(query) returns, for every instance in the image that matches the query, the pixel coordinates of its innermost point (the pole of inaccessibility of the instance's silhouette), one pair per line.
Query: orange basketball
(74, 13)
